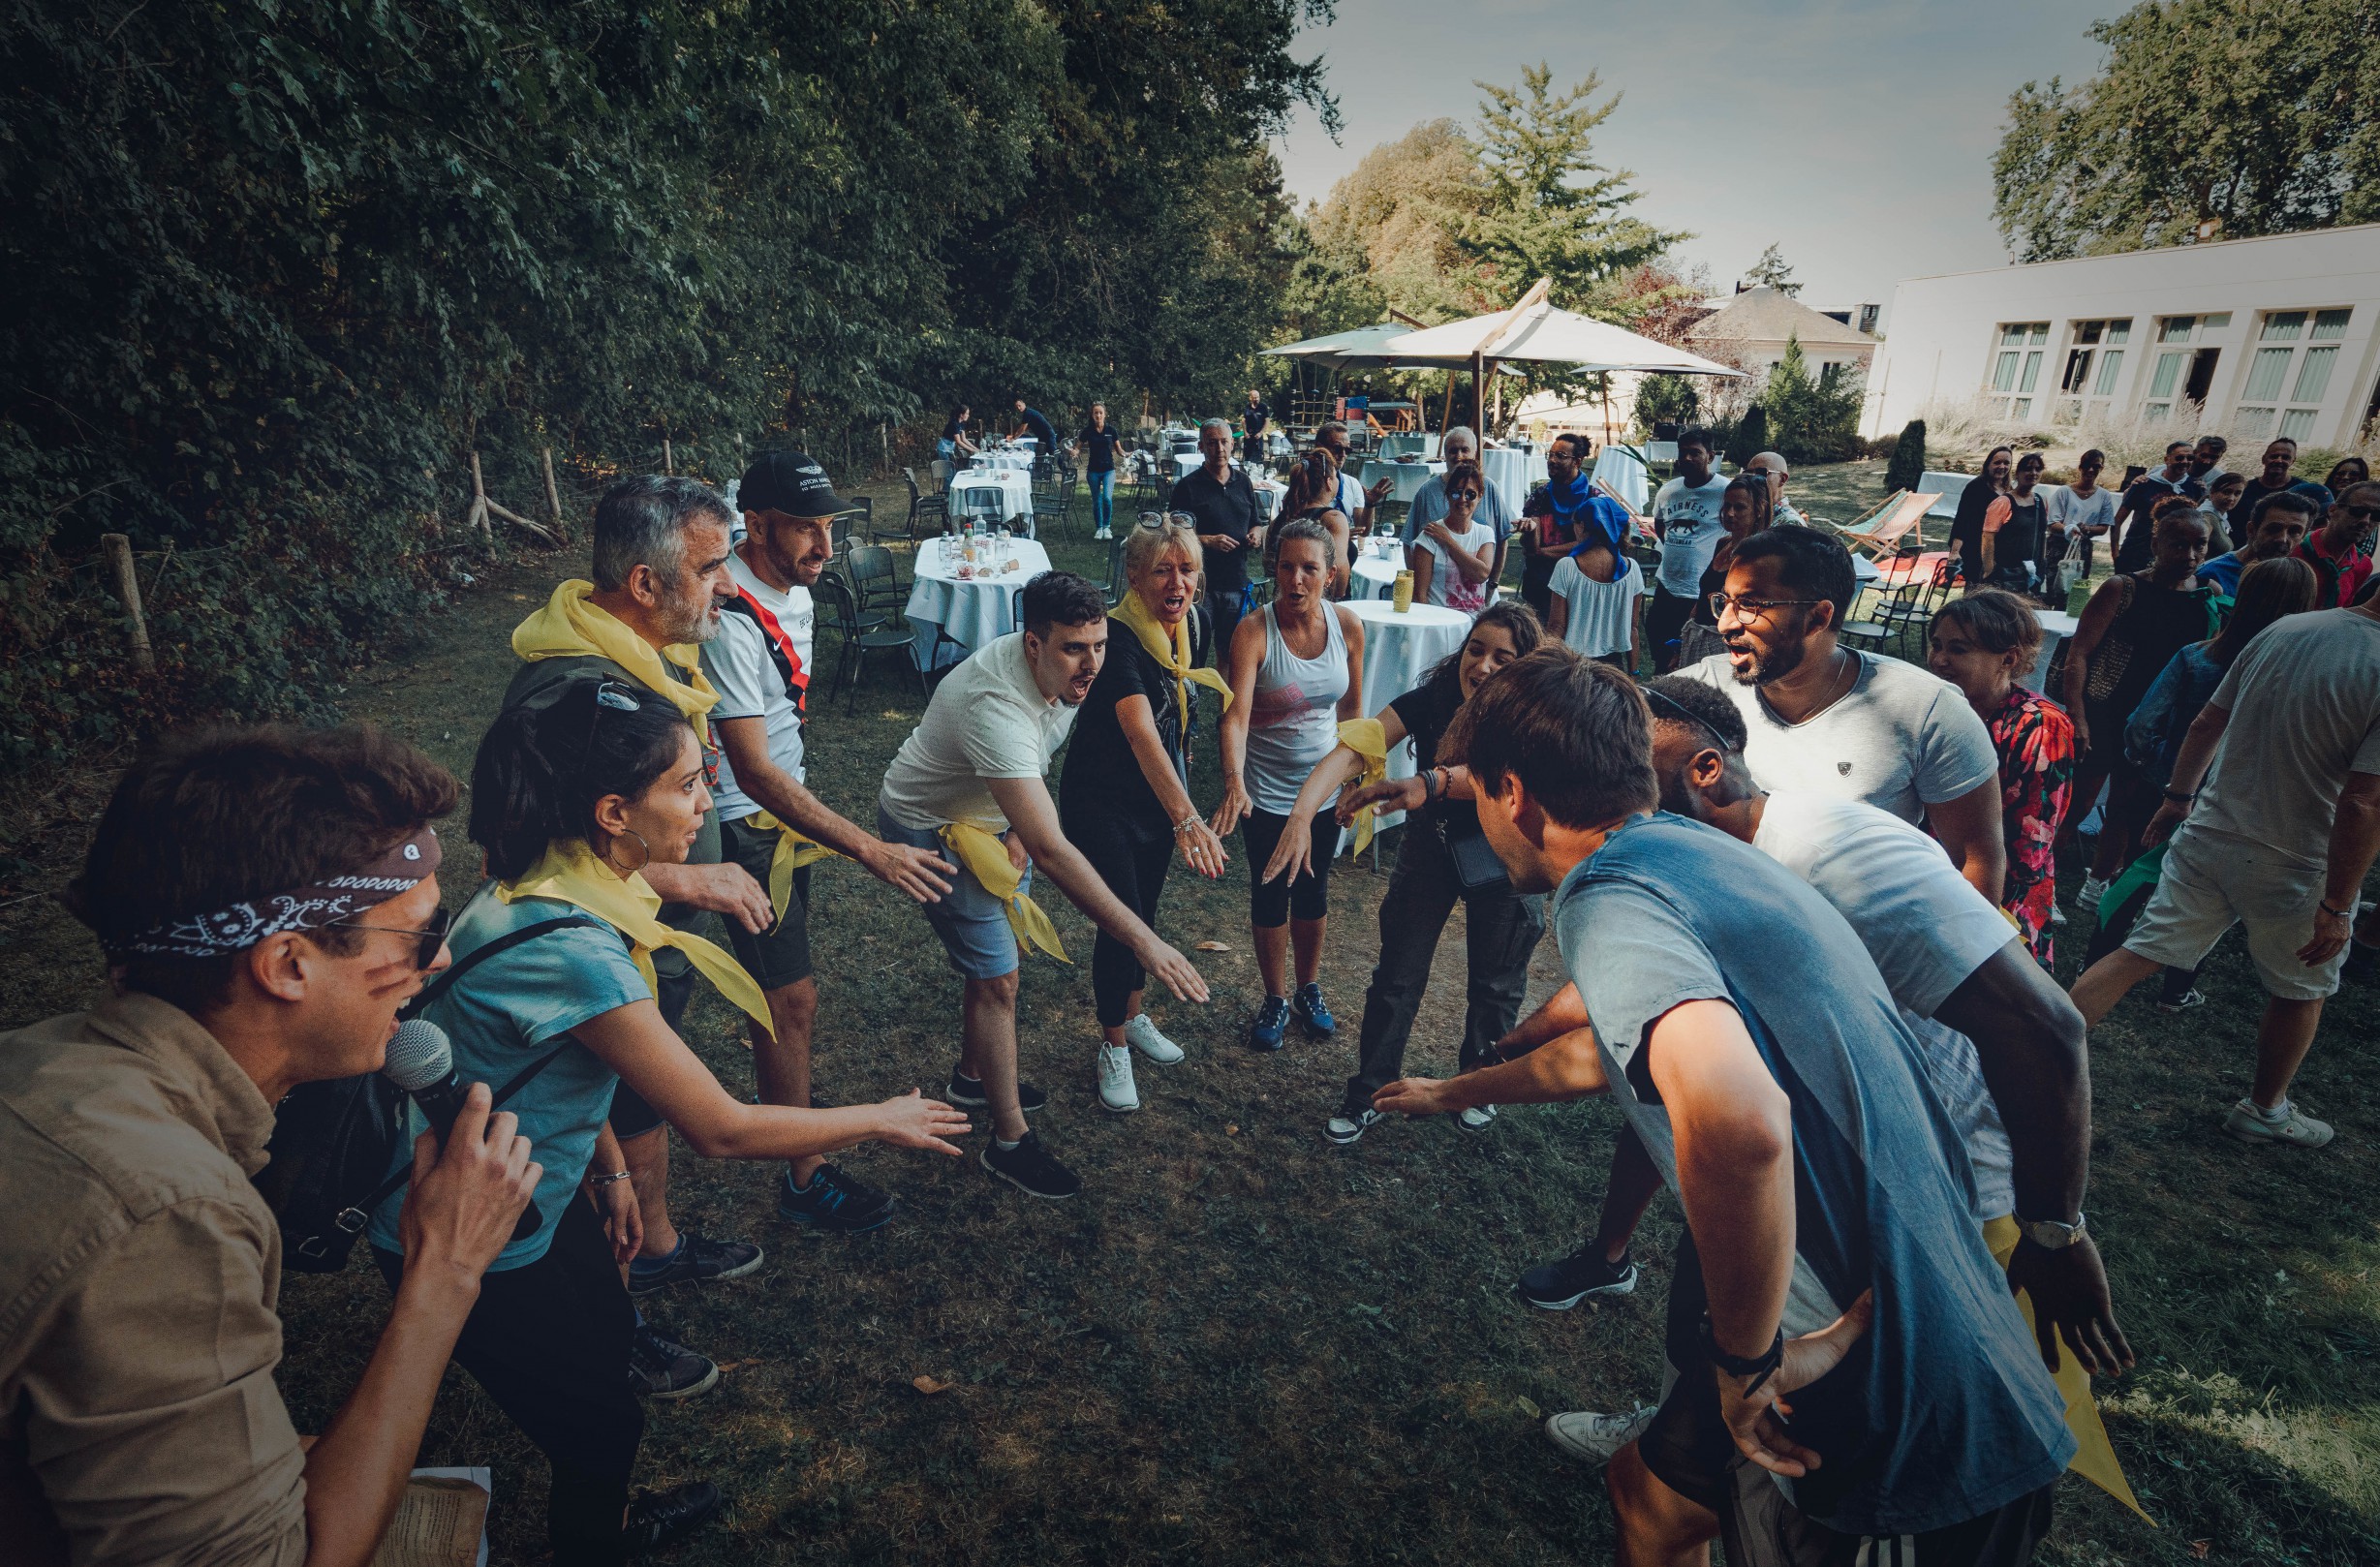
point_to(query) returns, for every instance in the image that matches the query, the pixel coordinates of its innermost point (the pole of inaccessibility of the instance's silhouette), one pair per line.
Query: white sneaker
(2086, 897)
(1593, 1438)
(1477, 1118)
(2249, 1124)
(1103, 533)
(1142, 1035)
(1116, 1090)
(2058, 915)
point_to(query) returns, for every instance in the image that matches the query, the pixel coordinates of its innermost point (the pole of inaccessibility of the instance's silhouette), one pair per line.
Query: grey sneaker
(1349, 1125)
(1593, 1438)
(2247, 1123)
(664, 1370)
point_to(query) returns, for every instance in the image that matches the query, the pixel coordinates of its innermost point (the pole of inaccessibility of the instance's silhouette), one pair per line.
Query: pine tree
(1750, 437)
(1772, 271)
(1908, 462)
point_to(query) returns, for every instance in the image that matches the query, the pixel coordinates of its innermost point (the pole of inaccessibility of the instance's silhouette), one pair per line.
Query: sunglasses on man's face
(426, 940)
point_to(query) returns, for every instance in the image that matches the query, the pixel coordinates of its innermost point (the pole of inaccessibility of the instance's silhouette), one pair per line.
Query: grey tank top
(1293, 723)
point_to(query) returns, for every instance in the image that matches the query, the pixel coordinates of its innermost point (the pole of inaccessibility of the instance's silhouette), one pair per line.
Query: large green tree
(2215, 119)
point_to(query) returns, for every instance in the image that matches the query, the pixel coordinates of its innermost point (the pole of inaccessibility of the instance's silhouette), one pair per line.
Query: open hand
(1235, 807)
(1753, 1416)
(2330, 931)
(1393, 793)
(1293, 856)
(913, 1121)
(1175, 971)
(2070, 1299)
(1415, 1096)
(2170, 815)
(724, 889)
(921, 872)
(1202, 849)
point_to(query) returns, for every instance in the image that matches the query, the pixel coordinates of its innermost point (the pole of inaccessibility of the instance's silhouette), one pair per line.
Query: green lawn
(1243, 1344)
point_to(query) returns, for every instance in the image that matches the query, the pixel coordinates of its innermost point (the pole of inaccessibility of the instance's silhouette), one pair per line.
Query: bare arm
(1352, 632)
(1558, 617)
(1567, 1067)
(2090, 630)
(1969, 828)
(2355, 837)
(920, 873)
(1033, 818)
(1294, 856)
(651, 1058)
(721, 889)
(1202, 848)
(1240, 665)
(2190, 764)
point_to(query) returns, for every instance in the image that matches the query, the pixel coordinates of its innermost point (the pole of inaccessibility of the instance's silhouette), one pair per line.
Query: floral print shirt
(2036, 742)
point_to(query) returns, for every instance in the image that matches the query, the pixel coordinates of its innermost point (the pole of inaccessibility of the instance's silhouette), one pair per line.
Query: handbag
(1475, 864)
(326, 1166)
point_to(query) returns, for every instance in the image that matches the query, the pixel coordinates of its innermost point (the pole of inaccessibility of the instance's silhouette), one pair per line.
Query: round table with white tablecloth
(2056, 627)
(1399, 653)
(1513, 471)
(994, 493)
(959, 615)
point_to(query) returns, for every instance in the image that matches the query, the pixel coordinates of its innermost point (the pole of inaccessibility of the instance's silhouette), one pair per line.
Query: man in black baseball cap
(773, 826)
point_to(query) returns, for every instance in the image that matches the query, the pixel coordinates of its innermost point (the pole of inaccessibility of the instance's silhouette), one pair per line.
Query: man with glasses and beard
(661, 581)
(1823, 718)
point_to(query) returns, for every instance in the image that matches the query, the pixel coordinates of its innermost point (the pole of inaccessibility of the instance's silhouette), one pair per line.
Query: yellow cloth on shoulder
(986, 859)
(568, 627)
(569, 873)
(1368, 740)
(2094, 1460)
(792, 853)
(1172, 650)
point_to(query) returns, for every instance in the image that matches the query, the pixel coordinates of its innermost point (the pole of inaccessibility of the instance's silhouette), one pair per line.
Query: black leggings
(1664, 618)
(550, 1342)
(1132, 857)
(1271, 904)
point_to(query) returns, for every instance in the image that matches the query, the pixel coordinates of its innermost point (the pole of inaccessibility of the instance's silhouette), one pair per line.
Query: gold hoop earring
(630, 869)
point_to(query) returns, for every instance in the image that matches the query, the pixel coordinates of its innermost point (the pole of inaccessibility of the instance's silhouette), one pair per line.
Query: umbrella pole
(1445, 421)
(1479, 404)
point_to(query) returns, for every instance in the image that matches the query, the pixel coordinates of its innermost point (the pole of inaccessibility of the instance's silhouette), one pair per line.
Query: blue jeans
(1103, 498)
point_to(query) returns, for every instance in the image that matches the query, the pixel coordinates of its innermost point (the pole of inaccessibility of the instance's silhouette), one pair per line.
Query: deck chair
(1889, 524)
(1945, 488)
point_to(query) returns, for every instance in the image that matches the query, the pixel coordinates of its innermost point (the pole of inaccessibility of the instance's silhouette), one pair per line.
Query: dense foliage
(1810, 419)
(269, 266)
(1908, 464)
(2215, 119)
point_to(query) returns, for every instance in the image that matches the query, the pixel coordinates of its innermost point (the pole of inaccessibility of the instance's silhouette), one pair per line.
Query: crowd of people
(1802, 896)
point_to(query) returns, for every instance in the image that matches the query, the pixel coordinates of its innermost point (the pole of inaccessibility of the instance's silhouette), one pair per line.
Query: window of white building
(2094, 361)
(2184, 370)
(2289, 372)
(2016, 367)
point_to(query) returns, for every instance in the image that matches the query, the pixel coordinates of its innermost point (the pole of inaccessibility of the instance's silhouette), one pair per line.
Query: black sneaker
(699, 1261)
(1557, 1286)
(663, 1518)
(835, 1202)
(1310, 1009)
(967, 1093)
(1030, 1169)
(1349, 1125)
(665, 1370)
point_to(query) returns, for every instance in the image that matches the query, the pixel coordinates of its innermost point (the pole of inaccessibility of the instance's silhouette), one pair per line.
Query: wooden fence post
(479, 503)
(118, 548)
(553, 496)
(669, 460)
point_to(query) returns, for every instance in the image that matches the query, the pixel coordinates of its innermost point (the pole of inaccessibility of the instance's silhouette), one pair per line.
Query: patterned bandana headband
(303, 908)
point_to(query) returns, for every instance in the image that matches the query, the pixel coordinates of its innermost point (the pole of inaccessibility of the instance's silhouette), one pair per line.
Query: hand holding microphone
(473, 1176)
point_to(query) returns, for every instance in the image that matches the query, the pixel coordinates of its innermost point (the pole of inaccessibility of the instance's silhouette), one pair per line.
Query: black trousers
(549, 1343)
(1132, 855)
(1271, 904)
(1223, 608)
(1500, 930)
(1664, 618)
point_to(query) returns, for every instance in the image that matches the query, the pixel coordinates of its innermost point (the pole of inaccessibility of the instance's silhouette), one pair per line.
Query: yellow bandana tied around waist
(792, 853)
(570, 874)
(986, 859)
(568, 627)
(1170, 649)
(2093, 1459)
(1368, 740)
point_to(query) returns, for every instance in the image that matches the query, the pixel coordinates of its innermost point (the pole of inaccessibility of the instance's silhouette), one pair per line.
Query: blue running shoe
(834, 1202)
(1314, 1012)
(1272, 1023)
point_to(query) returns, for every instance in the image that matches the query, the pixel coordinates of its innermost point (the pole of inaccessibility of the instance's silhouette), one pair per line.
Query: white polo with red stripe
(759, 661)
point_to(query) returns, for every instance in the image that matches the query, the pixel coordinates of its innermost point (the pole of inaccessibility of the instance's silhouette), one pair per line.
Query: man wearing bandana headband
(267, 900)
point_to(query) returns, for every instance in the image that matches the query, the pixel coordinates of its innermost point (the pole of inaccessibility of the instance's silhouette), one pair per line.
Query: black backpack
(333, 1141)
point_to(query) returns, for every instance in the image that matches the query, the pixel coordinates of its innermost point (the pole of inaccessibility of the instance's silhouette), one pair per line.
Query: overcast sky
(1855, 134)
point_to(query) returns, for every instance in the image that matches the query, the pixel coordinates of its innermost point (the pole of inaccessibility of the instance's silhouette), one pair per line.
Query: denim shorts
(973, 924)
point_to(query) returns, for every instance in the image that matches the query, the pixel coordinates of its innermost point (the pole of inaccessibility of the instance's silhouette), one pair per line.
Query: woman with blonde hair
(1125, 797)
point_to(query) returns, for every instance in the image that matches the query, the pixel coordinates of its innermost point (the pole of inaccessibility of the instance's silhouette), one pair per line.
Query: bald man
(1773, 464)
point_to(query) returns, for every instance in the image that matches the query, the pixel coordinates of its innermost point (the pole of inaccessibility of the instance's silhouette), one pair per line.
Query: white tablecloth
(1407, 478)
(977, 491)
(972, 612)
(2056, 627)
(1003, 461)
(1513, 472)
(1187, 463)
(1399, 650)
(1375, 575)
(1620, 471)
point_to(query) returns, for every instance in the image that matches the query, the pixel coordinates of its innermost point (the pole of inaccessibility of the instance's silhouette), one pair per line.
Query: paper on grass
(441, 1520)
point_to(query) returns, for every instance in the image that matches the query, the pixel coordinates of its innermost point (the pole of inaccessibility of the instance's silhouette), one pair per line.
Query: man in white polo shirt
(970, 778)
(760, 663)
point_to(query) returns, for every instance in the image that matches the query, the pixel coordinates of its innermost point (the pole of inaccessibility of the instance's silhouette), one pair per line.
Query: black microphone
(422, 1063)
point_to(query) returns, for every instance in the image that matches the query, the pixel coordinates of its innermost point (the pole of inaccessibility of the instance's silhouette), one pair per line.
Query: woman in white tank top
(1296, 673)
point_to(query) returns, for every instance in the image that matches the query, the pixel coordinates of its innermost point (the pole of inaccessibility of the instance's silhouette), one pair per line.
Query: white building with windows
(2262, 337)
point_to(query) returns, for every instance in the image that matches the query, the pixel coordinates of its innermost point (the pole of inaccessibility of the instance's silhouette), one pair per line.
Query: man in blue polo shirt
(1832, 1254)
(1033, 422)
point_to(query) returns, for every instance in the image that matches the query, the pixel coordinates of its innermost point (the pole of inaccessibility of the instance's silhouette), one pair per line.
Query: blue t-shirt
(505, 1014)
(1038, 425)
(1943, 1411)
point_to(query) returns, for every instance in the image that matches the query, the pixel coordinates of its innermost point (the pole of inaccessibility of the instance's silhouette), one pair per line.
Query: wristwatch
(2051, 1236)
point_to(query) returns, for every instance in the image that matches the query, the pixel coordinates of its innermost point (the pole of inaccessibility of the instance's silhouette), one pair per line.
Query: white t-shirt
(1927, 930)
(2304, 705)
(1900, 739)
(1350, 496)
(987, 719)
(1687, 518)
(741, 662)
(1601, 616)
(2067, 509)
(1447, 584)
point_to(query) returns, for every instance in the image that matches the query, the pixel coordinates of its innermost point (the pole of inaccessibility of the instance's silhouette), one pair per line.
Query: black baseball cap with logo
(789, 482)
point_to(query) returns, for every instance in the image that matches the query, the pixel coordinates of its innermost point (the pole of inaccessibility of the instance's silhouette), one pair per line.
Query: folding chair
(875, 580)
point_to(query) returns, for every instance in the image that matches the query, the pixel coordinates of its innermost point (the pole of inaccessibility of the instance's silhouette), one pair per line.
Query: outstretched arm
(920, 873)
(1034, 817)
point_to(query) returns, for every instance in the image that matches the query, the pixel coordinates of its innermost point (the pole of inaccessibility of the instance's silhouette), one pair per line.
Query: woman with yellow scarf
(1125, 798)
(571, 800)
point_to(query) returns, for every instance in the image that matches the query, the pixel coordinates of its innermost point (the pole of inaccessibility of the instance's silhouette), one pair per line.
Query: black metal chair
(858, 642)
(929, 518)
(875, 580)
(1050, 503)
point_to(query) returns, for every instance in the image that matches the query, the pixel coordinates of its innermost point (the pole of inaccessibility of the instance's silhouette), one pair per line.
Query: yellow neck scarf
(986, 859)
(570, 873)
(568, 627)
(1367, 739)
(1172, 651)
(2094, 1460)
(792, 853)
